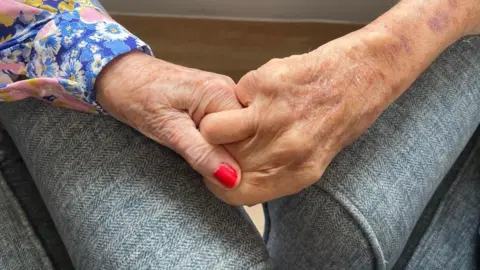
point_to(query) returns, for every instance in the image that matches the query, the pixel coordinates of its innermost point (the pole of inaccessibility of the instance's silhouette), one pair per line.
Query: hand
(302, 110)
(166, 102)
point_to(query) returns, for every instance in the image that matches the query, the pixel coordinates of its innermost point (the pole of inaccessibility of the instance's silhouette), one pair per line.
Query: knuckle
(294, 146)
(227, 80)
(250, 80)
(275, 62)
(312, 172)
(217, 92)
(217, 88)
(209, 85)
(303, 175)
(248, 86)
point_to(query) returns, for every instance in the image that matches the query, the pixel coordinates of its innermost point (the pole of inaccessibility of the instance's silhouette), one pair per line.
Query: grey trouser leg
(361, 213)
(121, 201)
(20, 248)
(451, 240)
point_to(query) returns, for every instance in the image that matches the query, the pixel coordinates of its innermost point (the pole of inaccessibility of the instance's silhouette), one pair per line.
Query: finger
(216, 97)
(224, 98)
(247, 87)
(246, 194)
(213, 162)
(228, 126)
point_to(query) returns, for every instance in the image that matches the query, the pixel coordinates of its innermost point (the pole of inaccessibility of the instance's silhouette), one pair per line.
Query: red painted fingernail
(226, 175)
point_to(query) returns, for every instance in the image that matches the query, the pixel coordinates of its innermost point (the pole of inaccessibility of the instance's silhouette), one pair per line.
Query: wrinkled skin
(166, 102)
(302, 110)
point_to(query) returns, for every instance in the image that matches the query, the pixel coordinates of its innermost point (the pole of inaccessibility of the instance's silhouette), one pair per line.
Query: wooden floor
(229, 47)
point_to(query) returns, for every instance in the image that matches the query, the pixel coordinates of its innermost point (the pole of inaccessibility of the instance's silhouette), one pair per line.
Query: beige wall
(338, 10)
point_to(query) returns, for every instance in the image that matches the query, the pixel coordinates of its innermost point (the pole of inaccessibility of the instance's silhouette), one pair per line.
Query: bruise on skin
(439, 22)
(406, 44)
(396, 47)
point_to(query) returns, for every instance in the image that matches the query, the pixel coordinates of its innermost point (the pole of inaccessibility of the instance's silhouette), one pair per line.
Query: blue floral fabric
(60, 47)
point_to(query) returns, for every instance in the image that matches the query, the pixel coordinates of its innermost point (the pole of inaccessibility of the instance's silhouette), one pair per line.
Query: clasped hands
(271, 135)
(276, 131)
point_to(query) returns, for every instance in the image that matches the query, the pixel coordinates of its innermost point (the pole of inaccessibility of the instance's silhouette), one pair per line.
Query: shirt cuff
(69, 53)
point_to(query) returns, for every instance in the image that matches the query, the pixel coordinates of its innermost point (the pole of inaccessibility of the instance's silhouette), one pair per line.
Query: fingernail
(226, 175)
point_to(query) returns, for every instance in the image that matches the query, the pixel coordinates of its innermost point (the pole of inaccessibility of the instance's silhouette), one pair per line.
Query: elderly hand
(166, 102)
(302, 110)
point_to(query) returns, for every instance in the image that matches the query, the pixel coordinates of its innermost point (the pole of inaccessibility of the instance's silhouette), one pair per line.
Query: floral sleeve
(54, 50)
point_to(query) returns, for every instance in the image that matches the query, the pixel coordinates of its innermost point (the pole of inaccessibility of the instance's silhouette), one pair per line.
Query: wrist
(407, 39)
(447, 18)
(116, 84)
(118, 73)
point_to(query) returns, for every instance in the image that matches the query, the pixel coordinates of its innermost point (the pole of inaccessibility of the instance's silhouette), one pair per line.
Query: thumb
(213, 162)
(228, 126)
